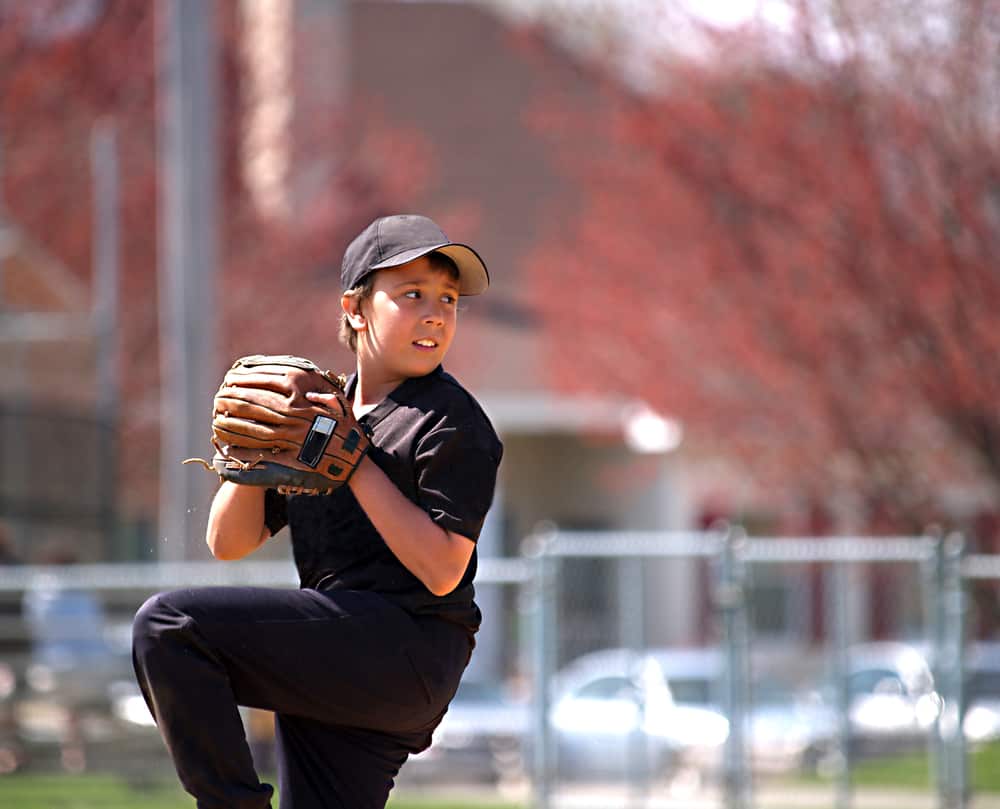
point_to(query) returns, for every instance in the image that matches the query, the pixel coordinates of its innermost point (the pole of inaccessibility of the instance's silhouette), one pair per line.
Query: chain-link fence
(69, 701)
(775, 669)
(648, 668)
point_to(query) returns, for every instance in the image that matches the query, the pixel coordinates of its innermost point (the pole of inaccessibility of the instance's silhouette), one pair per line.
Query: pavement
(596, 796)
(770, 798)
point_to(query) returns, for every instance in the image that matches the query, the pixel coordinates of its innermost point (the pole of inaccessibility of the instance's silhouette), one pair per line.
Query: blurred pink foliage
(53, 89)
(798, 257)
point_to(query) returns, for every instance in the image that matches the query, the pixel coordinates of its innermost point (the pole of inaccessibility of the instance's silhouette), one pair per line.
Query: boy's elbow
(217, 546)
(444, 582)
(449, 569)
(225, 548)
(442, 587)
(222, 553)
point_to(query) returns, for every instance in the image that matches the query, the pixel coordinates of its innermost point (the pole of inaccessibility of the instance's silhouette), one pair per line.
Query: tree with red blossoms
(64, 67)
(791, 243)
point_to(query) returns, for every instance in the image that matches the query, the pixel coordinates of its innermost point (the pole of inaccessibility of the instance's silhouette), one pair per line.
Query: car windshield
(608, 688)
(691, 690)
(875, 681)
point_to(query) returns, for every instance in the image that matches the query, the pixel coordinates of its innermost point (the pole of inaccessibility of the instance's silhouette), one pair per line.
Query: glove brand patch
(318, 437)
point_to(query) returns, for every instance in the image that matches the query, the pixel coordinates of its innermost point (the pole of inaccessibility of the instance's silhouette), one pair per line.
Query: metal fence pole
(731, 602)
(949, 724)
(631, 600)
(933, 620)
(545, 638)
(939, 652)
(105, 317)
(838, 602)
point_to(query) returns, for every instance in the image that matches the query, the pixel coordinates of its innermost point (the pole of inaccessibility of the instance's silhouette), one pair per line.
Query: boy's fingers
(333, 401)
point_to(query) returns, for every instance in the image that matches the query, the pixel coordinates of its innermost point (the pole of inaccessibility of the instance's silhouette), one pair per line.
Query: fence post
(933, 617)
(730, 601)
(949, 723)
(839, 601)
(632, 631)
(544, 633)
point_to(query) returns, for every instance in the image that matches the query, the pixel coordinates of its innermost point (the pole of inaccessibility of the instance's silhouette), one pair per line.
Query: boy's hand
(328, 399)
(280, 422)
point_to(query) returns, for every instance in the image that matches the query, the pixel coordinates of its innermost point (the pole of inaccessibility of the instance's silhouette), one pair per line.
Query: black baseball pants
(356, 684)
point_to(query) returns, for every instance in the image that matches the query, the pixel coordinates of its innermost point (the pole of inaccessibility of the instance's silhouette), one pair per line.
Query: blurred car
(790, 729)
(787, 727)
(892, 703)
(694, 676)
(481, 738)
(982, 692)
(614, 715)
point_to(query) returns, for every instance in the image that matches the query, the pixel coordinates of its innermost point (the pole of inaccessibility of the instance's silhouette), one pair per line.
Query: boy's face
(407, 325)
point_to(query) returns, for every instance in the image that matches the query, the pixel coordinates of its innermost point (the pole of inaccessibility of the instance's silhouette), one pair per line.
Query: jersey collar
(398, 395)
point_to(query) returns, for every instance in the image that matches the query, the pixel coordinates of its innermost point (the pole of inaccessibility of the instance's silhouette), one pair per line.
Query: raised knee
(155, 619)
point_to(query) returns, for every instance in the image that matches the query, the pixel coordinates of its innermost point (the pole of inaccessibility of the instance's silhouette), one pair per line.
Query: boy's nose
(434, 314)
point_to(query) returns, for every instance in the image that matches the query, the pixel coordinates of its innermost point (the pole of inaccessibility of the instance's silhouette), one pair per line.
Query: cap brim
(473, 277)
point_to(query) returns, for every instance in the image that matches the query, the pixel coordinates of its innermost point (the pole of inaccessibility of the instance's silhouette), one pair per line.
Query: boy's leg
(366, 764)
(343, 658)
(190, 695)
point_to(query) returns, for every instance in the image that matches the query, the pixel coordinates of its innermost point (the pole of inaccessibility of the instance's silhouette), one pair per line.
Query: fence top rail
(148, 575)
(631, 543)
(758, 549)
(154, 576)
(503, 570)
(839, 549)
(981, 566)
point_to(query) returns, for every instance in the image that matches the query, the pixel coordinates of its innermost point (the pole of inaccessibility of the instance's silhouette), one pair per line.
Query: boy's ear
(352, 308)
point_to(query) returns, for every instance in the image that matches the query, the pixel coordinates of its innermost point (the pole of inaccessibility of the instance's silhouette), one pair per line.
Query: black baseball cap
(394, 240)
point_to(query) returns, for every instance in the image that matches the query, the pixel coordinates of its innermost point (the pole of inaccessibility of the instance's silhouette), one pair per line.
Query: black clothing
(432, 439)
(356, 683)
(360, 663)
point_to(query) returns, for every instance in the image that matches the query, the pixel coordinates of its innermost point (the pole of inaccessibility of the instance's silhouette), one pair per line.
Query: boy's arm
(434, 555)
(236, 525)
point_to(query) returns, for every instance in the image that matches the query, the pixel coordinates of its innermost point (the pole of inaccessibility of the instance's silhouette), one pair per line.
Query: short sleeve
(275, 511)
(456, 474)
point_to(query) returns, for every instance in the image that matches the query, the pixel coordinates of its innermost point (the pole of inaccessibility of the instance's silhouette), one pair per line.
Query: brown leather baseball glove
(267, 433)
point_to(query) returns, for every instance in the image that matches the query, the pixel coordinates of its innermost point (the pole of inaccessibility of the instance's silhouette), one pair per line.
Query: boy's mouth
(425, 343)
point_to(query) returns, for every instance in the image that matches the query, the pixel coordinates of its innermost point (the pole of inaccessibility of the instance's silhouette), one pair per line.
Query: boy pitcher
(360, 663)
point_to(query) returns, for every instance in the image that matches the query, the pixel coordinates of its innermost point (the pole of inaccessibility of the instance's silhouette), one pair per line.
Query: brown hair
(363, 291)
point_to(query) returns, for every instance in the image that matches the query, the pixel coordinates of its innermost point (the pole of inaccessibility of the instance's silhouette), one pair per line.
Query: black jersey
(433, 440)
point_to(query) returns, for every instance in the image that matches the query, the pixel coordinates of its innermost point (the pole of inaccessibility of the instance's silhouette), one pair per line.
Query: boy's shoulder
(449, 399)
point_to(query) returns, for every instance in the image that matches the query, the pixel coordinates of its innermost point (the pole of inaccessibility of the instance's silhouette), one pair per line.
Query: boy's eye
(416, 294)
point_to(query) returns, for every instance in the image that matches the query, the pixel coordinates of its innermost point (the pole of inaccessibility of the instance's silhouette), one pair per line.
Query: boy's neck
(371, 389)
